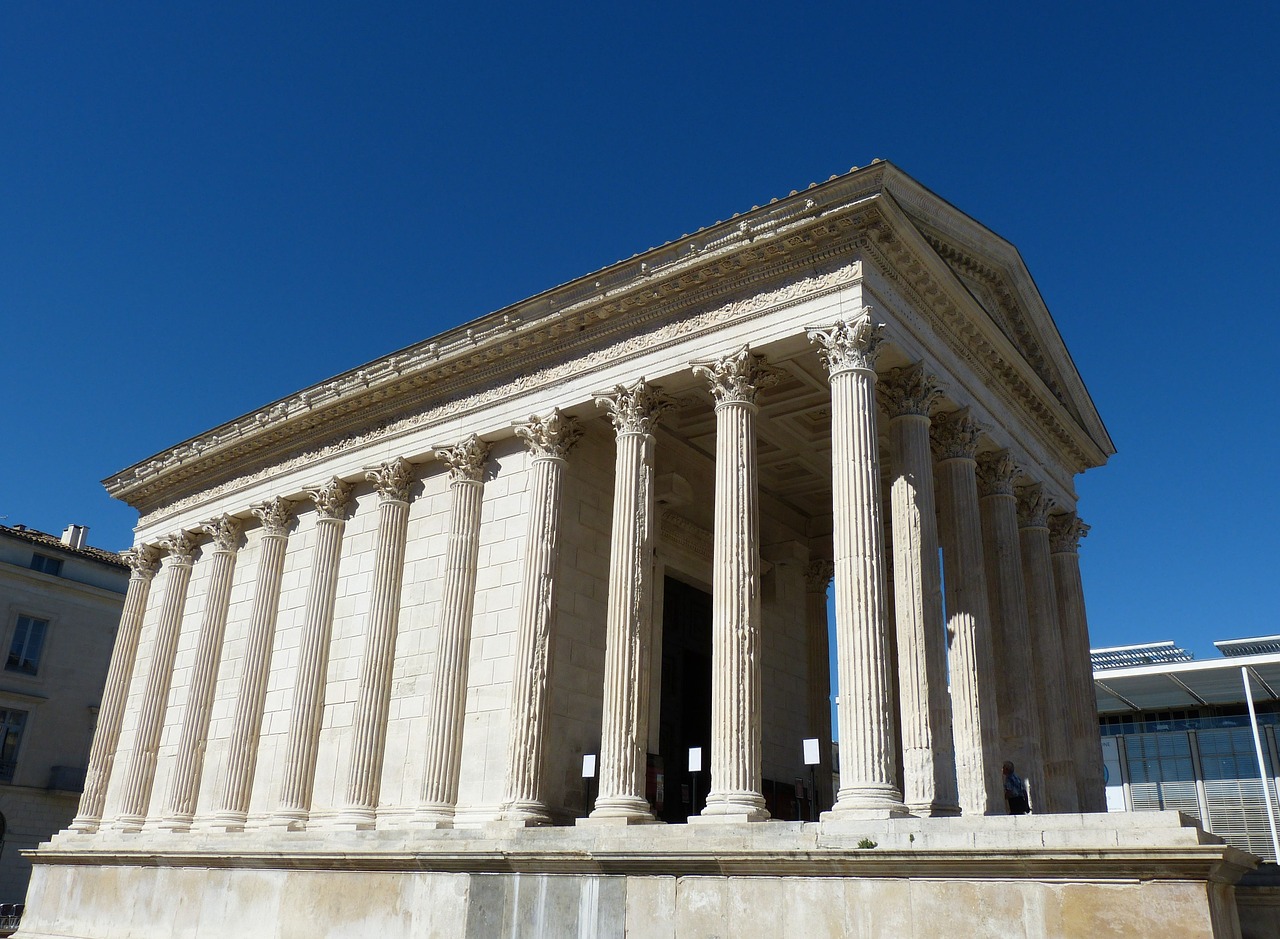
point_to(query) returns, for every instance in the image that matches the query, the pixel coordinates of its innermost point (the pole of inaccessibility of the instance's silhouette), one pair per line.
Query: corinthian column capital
(635, 409)
(225, 532)
(737, 378)
(909, 390)
(393, 479)
(996, 472)
(550, 437)
(818, 574)
(1065, 532)
(1033, 507)
(466, 460)
(275, 515)
(955, 436)
(181, 547)
(849, 344)
(143, 560)
(331, 498)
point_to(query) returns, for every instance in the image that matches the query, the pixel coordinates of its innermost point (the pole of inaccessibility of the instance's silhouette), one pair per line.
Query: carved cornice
(1065, 532)
(909, 391)
(550, 437)
(635, 409)
(737, 378)
(143, 560)
(818, 574)
(955, 436)
(181, 547)
(394, 479)
(910, 275)
(1033, 506)
(331, 498)
(274, 515)
(996, 472)
(225, 532)
(849, 344)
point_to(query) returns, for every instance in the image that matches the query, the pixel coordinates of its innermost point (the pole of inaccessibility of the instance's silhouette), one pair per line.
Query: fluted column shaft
(972, 669)
(1046, 643)
(624, 733)
(443, 736)
(143, 561)
(818, 576)
(736, 731)
(1017, 686)
(867, 744)
(1065, 532)
(307, 712)
(142, 765)
(548, 442)
(185, 784)
(928, 750)
(242, 752)
(393, 481)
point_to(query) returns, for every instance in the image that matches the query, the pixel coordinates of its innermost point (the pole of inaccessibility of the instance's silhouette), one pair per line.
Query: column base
(432, 816)
(933, 810)
(358, 819)
(735, 806)
(523, 815)
(176, 823)
(84, 825)
(129, 823)
(870, 801)
(289, 820)
(630, 809)
(610, 821)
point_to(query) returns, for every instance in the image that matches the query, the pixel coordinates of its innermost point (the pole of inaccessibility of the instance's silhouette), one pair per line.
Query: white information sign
(695, 759)
(811, 752)
(588, 766)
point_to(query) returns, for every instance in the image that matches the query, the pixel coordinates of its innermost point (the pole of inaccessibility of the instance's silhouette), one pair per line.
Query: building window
(28, 643)
(46, 565)
(12, 724)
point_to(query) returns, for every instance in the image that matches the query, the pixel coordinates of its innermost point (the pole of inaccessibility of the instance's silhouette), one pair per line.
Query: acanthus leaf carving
(225, 532)
(849, 344)
(909, 391)
(739, 377)
(466, 459)
(1033, 506)
(955, 436)
(818, 574)
(393, 479)
(996, 472)
(635, 408)
(1065, 532)
(143, 560)
(331, 498)
(274, 515)
(180, 546)
(550, 437)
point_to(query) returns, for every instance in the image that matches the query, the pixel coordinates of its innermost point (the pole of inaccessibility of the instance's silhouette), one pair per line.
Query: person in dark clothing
(1015, 791)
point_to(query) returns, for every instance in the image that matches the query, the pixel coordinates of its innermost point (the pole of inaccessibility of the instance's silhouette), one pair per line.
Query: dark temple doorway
(686, 699)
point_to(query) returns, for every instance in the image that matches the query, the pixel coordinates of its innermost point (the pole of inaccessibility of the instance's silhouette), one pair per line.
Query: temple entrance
(686, 699)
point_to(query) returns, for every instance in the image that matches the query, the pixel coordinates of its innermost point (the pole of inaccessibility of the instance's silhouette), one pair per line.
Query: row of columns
(1008, 588)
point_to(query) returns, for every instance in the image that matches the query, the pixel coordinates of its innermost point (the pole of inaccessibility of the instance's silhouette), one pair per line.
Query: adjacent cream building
(60, 600)
(373, 628)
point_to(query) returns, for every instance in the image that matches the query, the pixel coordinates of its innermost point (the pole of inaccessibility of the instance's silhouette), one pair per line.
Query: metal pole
(1262, 765)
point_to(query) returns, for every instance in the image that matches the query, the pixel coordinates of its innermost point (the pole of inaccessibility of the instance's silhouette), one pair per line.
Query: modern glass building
(1177, 733)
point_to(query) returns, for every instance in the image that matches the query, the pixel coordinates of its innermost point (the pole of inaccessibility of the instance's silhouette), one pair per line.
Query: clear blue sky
(207, 207)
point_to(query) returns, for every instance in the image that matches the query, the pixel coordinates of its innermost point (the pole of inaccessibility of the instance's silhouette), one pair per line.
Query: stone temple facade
(373, 628)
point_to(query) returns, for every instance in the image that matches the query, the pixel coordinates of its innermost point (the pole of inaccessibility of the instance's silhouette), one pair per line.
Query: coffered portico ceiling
(969, 283)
